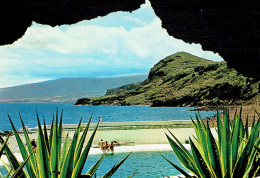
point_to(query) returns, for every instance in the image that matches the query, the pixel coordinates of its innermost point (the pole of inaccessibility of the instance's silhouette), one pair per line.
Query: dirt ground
(248, 111)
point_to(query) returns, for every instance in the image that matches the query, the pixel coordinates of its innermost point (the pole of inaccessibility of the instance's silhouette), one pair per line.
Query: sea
(72, 113)
(145, 164)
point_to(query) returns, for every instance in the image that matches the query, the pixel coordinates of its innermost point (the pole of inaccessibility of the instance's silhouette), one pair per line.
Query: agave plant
(234, 153)
(51, 158)
(19, 167)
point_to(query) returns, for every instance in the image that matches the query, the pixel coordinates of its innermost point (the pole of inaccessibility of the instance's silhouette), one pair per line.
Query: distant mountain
(183, 80)
(66, 89)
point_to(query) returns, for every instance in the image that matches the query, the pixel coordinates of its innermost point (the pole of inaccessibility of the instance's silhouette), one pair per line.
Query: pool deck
(117, 149)
(137, 133)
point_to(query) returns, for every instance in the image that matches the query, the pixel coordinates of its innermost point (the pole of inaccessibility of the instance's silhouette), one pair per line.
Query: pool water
(147, 164)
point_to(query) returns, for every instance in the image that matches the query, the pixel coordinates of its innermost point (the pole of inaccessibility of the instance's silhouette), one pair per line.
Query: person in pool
(34, 145)
(107, 147)
(102, 145)
(111, 147)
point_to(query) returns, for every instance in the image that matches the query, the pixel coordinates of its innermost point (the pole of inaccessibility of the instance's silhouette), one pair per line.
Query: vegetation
(51, 158)
(124, 89)
(184, 80)
(235, 152)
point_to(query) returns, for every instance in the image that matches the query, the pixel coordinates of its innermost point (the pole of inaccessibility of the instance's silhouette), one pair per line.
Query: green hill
(183, 80)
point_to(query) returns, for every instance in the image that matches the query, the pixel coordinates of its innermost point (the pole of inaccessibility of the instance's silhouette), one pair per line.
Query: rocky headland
(184, 80)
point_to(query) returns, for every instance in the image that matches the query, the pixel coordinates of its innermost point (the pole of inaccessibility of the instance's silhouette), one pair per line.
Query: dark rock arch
(230, 28)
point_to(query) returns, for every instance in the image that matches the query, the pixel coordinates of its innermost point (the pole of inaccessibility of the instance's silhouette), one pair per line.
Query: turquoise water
(147, 164)
(72, 114)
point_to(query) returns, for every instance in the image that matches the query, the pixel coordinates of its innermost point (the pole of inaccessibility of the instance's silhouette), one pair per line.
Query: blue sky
(117, 44)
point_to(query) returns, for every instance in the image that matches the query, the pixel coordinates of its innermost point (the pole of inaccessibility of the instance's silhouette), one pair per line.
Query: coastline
(248, 111)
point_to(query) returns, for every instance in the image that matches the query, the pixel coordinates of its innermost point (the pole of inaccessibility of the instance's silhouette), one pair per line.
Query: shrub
(235, 153)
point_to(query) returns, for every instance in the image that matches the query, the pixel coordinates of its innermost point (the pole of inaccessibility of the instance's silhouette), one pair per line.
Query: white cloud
(147, 41)
(136, 20)
(46, 52)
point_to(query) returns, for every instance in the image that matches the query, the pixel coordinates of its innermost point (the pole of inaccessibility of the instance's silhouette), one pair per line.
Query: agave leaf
(235, 141)
(199, 161)
(252, 158)
(220, 128)
(9, 173)
(30, 149)
(64, 151)
(196, 128)
(133, 174)
(21, 167)
(46, 134)
(181, 155)
(242, 130)
(257, 113)
(8, 168)
(177, 167)
(194, 124)
(51, 133)
(81, 143)
(203, 142)
(257, 148)
(246, 127)
(256, 164)
(3, 146)
(59, 136)
(12, 159)
(201, 123)
(213, 154)
(197, 143)
(68, 160)
(188, 154)
(93, 169)
(54, 149)
(22, 149)
(83, 157)
(242, 162)
(225, 146)
(233, 124)
(42, 153)
(256, 172)
(254, 135)
(201, 136)
(115, 167)
(253, 123)
(67, 167)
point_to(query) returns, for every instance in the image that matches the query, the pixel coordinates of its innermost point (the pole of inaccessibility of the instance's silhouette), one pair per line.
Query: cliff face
(183, 80)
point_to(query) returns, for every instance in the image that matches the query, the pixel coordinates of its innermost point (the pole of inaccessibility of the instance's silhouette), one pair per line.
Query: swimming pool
(147, 164)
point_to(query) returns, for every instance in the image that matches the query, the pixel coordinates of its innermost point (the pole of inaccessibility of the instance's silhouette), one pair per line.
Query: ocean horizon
(72, 114)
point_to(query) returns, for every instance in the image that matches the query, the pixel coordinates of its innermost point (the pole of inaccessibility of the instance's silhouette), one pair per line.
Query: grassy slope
(183, 79)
